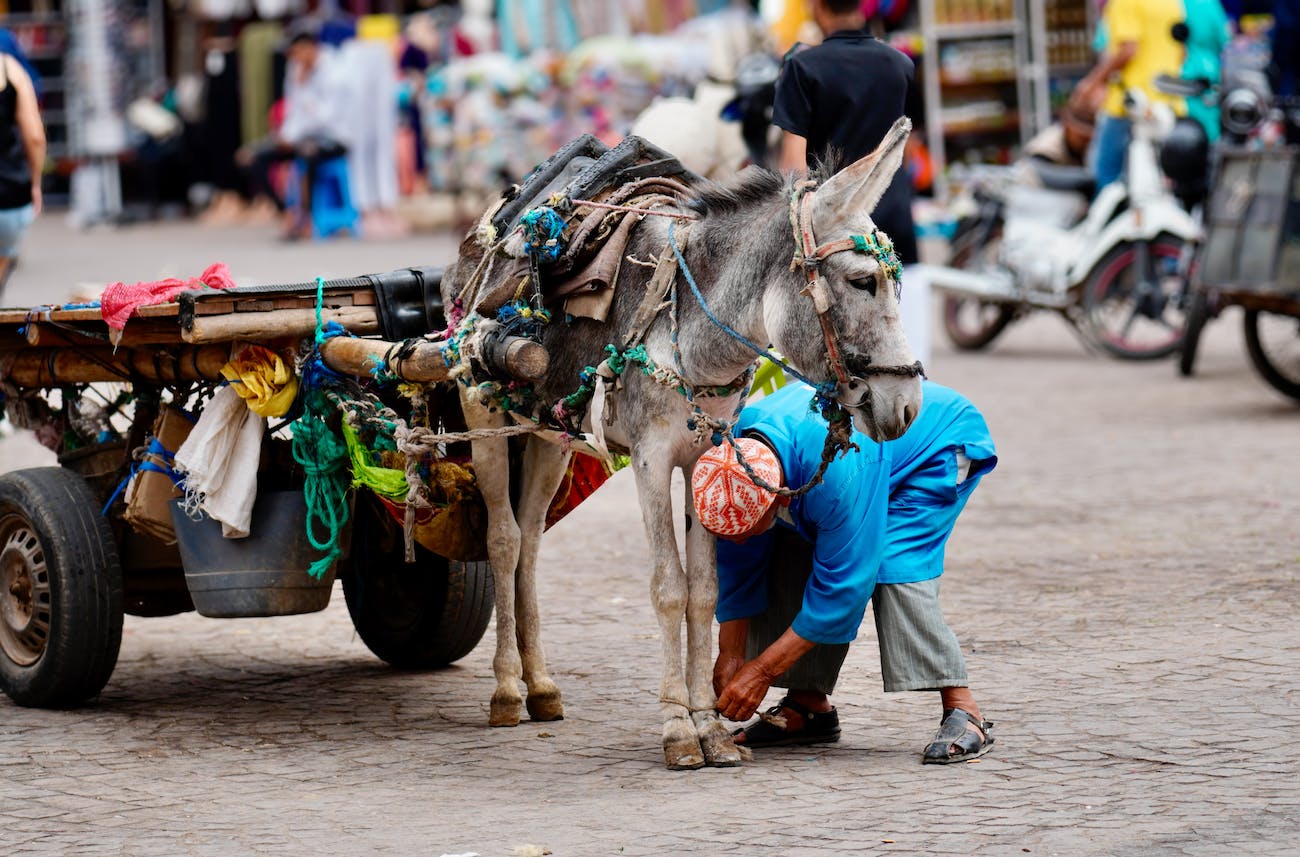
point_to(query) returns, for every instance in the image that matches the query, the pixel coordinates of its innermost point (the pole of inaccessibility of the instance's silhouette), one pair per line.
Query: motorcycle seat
(1060, 177)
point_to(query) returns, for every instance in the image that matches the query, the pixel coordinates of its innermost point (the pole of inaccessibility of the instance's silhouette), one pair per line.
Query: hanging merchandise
(372, 98)
(532, 25)
(257, 45)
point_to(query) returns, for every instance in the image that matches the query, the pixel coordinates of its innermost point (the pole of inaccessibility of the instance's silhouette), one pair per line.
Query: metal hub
(24, 592)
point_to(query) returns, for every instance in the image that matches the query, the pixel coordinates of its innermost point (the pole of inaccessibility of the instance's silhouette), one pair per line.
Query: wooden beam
(277, 324)
(520, 358)
(53, 367)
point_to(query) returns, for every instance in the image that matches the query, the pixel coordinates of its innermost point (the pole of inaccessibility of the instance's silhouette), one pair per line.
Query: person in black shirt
(836, 101)
(22, 157)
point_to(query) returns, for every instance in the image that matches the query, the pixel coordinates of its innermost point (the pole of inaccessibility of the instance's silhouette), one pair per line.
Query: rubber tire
(1089, 301)
(963, 251)
(1198, 313)
(85, 580)
(1263, 362)
(422, 615)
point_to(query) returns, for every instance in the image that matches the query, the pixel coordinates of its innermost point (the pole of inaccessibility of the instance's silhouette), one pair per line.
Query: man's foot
(962, 736)
(788, 724)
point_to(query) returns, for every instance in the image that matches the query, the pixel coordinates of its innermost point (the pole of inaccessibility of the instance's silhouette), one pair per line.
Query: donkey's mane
(751, 187)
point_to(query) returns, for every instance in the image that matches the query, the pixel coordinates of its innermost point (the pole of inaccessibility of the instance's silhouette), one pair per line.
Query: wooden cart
(70, 565)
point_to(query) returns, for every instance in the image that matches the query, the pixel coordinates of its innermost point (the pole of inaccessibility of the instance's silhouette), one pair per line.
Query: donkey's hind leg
(492, 472)
(544, 467)
(668, 593)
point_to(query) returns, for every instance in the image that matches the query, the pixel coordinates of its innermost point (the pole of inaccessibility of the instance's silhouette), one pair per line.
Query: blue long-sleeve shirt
(881, 515)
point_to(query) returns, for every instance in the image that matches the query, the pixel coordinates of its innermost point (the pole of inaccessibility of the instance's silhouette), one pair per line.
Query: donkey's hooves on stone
(504, 712)
(721, 752)
(545, 708)
(683, 755)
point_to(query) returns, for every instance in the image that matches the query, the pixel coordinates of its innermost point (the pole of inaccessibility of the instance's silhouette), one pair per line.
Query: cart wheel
(60, 590)
(1273, 341)
(1198, 313)
(420, 615)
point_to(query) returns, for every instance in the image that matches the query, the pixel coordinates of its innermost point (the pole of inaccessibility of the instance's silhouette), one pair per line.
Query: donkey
(737, 251)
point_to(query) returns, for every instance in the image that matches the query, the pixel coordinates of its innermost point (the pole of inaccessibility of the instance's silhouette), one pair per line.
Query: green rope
(384, 481)
(324, 462)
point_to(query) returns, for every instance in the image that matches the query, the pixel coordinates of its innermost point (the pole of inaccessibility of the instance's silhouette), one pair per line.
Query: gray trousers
(918, 651)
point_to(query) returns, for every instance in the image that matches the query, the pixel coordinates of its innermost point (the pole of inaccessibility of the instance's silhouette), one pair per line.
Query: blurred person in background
(314, 115)
(1207, 33)
(1140, 46)
(22, 160)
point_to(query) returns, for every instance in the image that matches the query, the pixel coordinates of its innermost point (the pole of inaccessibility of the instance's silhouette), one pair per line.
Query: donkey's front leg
(668, 594)
(702, 587)
(544, 466)
(492, 472)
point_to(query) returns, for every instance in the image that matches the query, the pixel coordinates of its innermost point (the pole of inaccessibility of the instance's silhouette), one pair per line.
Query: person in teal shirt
(793, 588)
(1208, 33)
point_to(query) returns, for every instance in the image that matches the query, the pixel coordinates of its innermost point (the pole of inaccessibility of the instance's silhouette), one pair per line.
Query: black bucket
(264, 574)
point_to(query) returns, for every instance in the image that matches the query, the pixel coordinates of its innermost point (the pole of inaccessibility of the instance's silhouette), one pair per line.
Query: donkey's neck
(732, 270)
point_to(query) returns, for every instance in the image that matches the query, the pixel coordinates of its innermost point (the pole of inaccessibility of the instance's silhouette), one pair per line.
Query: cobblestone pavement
(1124, 586)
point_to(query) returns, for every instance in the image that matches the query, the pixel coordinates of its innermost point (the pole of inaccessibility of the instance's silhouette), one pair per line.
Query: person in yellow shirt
(1141, 46)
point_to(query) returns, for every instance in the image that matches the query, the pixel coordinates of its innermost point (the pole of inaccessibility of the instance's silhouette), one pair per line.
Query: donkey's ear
(859, 186)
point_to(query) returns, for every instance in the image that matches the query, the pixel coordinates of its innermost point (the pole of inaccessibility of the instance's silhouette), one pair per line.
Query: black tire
(1114, 309)
(60, 590)
(421, 615)
(1273, 341)
(972, 324)
(1198, 313)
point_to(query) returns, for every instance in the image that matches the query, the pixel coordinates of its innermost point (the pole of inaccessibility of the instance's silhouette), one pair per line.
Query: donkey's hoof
(720, 751)
(545, 706)
(683, 758)
(504, 711)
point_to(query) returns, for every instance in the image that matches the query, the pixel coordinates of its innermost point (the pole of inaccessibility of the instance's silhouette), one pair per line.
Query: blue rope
(826, 389)
(543, 229)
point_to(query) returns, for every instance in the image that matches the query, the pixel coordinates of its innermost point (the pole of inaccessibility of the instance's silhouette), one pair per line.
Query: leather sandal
(819, 727)
(953, 733)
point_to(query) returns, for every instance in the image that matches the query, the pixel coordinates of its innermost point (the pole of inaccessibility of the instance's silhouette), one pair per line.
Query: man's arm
(794, 153)
(1110, 63)
(745, 691)
(30, 125)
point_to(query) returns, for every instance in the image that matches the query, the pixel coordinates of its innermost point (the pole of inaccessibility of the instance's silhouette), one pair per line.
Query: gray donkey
(694, 285)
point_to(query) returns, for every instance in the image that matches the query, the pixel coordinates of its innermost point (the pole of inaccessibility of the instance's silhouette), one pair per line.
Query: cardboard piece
(152, 489)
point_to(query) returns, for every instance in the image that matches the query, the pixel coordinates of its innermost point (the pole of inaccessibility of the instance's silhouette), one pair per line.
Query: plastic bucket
(264, 574)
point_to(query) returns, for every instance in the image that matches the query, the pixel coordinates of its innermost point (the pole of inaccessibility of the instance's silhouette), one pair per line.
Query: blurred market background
(146, 101)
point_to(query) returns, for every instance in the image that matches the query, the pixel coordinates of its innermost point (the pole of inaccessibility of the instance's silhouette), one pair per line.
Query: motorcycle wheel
(1273, 341)
(971, 324)
(1126, 320)
(1198, 313)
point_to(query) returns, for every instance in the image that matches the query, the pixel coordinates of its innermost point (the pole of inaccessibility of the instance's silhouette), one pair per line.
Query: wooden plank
(253, 326)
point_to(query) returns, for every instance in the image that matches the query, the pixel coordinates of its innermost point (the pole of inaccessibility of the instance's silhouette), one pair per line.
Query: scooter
(1110, 268)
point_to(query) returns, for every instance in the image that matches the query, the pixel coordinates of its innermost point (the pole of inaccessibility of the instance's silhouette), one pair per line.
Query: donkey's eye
(865, 284)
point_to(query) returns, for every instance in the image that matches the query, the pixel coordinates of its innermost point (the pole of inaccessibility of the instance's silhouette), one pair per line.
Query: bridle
(828, 399)
(809, 256)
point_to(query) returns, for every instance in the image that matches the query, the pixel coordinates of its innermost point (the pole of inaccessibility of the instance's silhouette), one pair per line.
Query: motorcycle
(1250, 256)
(1111, 268)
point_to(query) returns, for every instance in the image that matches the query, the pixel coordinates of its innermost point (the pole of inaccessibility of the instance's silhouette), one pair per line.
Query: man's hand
(38, 200)
(744, 693)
